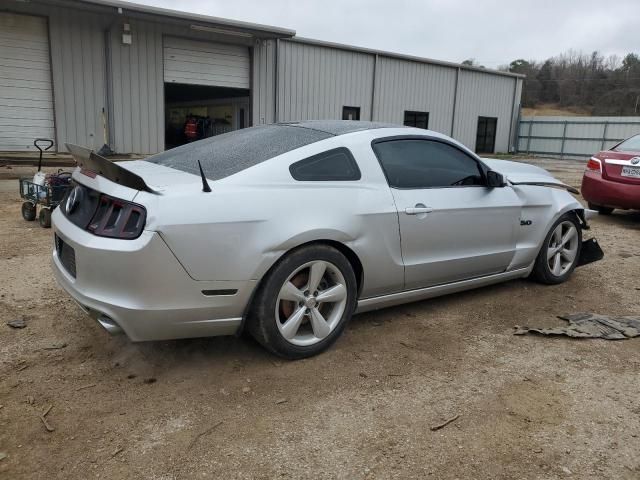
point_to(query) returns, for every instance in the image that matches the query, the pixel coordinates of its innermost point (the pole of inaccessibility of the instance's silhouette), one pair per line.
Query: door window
(412, 163)
(486, 135)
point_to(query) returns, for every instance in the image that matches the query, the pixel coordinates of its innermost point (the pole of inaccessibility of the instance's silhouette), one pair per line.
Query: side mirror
(494, 179)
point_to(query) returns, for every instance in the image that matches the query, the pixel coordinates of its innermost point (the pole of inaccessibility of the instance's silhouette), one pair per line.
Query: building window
(416, 119)
(334, 165)
(351, 113)
(486, 135)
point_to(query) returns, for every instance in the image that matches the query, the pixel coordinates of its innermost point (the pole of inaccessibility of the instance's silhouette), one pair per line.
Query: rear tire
(28, 211)
(600, 209)
(304, 302)
(45, 218)
(560, 251)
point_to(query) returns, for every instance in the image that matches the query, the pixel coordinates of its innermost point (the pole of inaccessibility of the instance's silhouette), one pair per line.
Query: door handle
(418, 209)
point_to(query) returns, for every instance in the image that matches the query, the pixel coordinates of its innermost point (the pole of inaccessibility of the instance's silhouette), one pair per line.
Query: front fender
(542, 206)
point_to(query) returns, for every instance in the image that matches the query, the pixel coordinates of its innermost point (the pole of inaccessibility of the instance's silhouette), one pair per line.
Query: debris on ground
(590, 325)
(55, 346)
(90, 385)
(281, 401)
(17, 323)
(445, 423)
(205, 432)
(117, 451)
(3, 455)
(43, 417)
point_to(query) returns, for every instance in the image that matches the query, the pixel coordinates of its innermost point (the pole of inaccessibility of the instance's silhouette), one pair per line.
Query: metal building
(95, 72)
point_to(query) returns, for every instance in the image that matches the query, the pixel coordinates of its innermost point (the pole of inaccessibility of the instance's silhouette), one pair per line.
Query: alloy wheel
(563, 248)
(311, 303)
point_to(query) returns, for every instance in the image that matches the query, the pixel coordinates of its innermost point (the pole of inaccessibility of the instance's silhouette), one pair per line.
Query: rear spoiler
(92, 163)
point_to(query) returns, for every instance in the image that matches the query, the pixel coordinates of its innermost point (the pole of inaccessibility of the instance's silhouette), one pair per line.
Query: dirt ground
(529, 407)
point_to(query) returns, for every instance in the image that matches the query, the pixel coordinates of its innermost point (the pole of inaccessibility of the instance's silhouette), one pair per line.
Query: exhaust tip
(109, 325)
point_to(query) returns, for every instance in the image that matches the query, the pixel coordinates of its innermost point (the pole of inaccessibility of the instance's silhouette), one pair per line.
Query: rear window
(230, 153)
(630, 145)
(334, 165)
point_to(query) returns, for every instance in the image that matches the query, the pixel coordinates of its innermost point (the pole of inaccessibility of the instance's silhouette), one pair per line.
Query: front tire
(560, 251)
(304, 302)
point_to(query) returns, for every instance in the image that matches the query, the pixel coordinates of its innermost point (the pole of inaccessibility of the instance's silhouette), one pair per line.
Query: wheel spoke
(557, 235)
(316, 272)
(291, 292)
(551, 251)
(557, 264)
(319, 325)
(568, 254)
(336, 293)
(292, 324)
(567, 237)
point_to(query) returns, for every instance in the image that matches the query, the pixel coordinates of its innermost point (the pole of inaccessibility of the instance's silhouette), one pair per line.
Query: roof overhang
(197, 22)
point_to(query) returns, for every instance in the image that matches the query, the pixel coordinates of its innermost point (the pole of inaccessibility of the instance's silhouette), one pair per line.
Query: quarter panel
(251, 219)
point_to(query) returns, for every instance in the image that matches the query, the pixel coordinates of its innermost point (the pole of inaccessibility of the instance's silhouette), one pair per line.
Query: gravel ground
(529, 407)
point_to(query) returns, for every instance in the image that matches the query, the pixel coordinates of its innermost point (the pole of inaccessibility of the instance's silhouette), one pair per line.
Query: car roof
(339, 127)
(226, 154)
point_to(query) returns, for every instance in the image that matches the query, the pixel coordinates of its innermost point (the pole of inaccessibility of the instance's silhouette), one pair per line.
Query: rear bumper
(139, 287)
(607, 193)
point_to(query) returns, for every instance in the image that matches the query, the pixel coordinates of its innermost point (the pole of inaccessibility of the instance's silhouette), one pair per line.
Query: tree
(471, 62)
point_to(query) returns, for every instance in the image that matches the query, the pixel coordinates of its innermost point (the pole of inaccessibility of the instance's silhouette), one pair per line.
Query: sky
(493, 32)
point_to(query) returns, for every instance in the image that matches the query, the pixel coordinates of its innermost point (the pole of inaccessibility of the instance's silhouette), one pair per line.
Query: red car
(612, 178)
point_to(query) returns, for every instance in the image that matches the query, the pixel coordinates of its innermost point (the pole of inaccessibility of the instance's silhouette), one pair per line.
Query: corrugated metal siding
(26, 99)
(263, 82)
(78, 57)
(584, 136)
(195, 62)
(137, 89)
(316, 82)
(404, 85)
(486, 95)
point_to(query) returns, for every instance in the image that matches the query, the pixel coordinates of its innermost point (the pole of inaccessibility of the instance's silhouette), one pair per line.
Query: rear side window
(410, 163)
(333, 165)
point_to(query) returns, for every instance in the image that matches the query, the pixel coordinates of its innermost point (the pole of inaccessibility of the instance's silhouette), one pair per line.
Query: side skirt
(374, 303)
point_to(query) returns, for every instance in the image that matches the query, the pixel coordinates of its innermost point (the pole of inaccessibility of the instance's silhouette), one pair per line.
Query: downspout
(373, 87)
(455, 101)
(276, 79)
(510, 143)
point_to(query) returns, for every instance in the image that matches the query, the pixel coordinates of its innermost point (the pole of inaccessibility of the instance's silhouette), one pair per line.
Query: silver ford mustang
(287, 230)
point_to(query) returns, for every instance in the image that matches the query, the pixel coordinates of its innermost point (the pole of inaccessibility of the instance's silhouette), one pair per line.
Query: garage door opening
(194, 112)
(206, 90)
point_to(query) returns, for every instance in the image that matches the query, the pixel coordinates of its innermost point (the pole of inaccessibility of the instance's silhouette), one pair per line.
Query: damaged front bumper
(590, 252)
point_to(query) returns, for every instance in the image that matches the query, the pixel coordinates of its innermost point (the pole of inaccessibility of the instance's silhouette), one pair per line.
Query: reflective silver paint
(412, 244)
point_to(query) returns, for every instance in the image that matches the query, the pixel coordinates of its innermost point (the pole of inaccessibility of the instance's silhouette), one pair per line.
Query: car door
(452, 226)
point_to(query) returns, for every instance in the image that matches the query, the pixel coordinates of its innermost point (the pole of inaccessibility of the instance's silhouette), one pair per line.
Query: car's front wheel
(304, 303)
(560, 251)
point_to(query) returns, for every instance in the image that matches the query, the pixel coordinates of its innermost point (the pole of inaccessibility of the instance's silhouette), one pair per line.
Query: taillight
(594, 165)
(116, 218)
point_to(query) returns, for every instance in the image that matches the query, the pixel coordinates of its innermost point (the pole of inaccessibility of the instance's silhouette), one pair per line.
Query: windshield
(230, 153)
(630, 145)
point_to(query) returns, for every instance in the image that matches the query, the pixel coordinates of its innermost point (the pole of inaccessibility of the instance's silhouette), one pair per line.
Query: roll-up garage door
(205, 63)
(26, 98)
